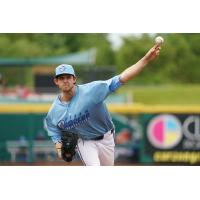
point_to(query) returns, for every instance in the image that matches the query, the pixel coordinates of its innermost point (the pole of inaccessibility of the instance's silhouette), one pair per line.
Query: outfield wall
(167, 134)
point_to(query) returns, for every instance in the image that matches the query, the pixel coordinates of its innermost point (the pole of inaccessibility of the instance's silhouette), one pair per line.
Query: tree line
(178, 62)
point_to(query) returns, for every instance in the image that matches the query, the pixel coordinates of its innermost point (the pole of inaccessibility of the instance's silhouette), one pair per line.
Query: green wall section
(14, 126)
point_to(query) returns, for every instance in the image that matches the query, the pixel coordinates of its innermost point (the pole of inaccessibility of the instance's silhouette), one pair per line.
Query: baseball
(159, 40)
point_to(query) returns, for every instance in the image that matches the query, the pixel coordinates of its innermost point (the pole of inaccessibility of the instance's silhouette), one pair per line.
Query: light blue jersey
(86, 114)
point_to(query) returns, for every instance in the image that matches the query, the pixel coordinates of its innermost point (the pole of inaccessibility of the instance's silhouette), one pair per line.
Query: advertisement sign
(173, 138)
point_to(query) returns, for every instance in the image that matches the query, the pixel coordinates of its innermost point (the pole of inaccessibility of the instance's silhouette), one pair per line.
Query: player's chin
(65, 89)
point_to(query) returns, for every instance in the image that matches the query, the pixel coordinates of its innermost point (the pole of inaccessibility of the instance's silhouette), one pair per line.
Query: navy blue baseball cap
(64, 69)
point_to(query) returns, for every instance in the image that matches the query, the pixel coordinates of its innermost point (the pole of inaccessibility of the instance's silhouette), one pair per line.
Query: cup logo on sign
(164, 131)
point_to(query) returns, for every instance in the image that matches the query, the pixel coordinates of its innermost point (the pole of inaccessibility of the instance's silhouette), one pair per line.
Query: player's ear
(74, 78)
(55, 81)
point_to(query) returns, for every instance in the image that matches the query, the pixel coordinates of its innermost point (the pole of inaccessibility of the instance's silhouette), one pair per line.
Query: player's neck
(67, 96)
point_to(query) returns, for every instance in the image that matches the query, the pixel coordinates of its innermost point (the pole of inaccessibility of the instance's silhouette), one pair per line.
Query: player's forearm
(133, 70)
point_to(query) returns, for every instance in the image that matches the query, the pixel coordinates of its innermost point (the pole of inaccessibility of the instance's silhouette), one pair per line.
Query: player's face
(65, 82)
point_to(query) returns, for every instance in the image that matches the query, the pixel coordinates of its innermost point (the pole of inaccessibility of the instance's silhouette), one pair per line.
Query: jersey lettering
(66, 124)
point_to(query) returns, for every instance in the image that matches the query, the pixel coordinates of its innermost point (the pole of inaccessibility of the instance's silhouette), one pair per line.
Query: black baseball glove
(69, 141)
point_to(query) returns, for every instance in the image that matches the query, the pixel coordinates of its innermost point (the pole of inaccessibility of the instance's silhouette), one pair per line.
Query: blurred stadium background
(157, 115)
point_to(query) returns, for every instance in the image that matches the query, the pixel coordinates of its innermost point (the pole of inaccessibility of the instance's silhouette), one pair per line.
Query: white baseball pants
(97, 152)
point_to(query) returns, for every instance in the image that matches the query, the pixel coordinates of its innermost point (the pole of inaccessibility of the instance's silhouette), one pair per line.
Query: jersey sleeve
(102, 89)
(52, 130)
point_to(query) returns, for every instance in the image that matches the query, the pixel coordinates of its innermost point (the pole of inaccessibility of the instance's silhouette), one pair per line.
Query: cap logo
(62, 68)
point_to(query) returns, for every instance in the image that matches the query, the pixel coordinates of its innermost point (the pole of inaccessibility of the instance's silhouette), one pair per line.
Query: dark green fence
(24, 133)
(19, 127)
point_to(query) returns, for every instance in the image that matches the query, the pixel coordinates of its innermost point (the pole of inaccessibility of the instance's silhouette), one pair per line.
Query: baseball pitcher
(78, 120)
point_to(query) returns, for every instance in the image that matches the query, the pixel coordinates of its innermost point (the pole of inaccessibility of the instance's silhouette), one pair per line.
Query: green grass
(166, 94)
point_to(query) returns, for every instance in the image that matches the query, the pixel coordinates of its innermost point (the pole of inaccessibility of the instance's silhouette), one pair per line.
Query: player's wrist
(58, 145)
